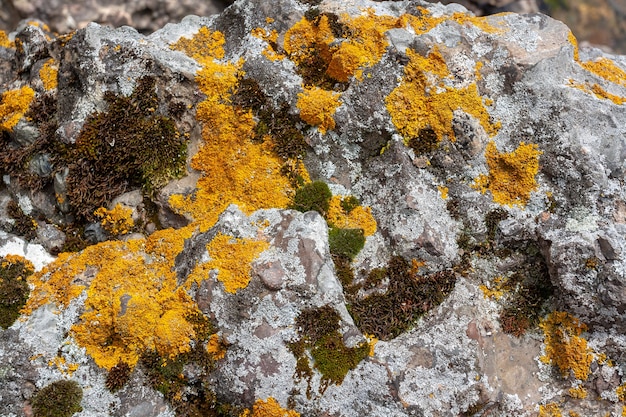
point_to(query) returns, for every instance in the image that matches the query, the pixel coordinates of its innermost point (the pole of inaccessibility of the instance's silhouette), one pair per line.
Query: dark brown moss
(118, 376)
(407, 297)
(23, 225)
(426, 141)
(130, 145)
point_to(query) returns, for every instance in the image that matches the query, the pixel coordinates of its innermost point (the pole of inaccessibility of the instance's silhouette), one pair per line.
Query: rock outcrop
(318, 209)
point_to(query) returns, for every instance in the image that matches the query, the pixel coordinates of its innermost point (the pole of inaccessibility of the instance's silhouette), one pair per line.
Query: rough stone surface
(459, 359)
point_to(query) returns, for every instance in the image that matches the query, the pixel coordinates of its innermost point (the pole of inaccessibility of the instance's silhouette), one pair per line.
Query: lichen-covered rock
(340, 208)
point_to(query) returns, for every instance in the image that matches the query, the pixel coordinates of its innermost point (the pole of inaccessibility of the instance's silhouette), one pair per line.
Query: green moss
(14, 289)
(319, 334)
(407, 297)
(314, 196)
(59, 399)
(346, 242)
(189, 398)
(349, 203)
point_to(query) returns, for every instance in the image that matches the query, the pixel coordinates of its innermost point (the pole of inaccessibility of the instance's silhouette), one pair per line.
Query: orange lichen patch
(578, 392)
(268, 408)
(117, 221)
(563, 345)
(133, 302)
(61, 364)
(598, 91)
(13, 105)
(550, 410)
(496, 289)
(621, 392)
(511, 176)
(215, 347)
(204, 46)
(358, 218)
(4, 40)
(372, 341)
(306, 39)
(605, 68)
(422, 101)
(271, 38)
(481, 23)
(317, 107)
(602, 67)
(443, 190)
(235, 170)
(10, 260)
(364, 47)
(48, 74)
(232, 258)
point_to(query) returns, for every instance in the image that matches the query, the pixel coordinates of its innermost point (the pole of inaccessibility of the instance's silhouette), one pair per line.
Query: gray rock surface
(513, 186)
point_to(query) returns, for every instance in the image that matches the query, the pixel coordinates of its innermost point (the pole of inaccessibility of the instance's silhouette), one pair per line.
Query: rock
(468, 211)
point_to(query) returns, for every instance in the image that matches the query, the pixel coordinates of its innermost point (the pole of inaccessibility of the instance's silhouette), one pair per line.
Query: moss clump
(23, 225)
(319, 334)
(287, 139)
(425, 141)
(59, 399)
(128, 145)
(14, 288)
(118, 376)
(188, 397)
(314, 196)
(407, 297)
(346, 242)
(349, 203)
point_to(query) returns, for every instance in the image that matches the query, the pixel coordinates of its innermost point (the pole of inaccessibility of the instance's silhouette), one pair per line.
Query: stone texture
(457, 359)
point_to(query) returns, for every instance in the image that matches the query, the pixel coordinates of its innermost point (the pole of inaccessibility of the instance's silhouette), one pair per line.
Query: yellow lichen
(234, 169)
(48, 74)
(317, 107)
(4, 40)
(423, 101)
(621, 392)
(268, 408)
(496, 289)
(372, 341)
(133, 302)
(443, 190)
(232, 258)
(578, 392)
(358, 218)
(550, 410)
(270, 37)
(204, 46)
(603, 68)
(13, 105)
(511, 176)
(117, 221)
(564, 348)
(215, 347)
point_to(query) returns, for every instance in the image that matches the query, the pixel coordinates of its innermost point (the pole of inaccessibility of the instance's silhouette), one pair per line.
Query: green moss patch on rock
(59, 399)
(14, 288)
(318, 329)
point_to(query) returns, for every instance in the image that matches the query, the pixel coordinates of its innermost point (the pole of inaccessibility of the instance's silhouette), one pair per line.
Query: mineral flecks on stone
(288, 183)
